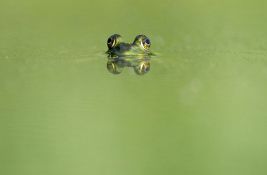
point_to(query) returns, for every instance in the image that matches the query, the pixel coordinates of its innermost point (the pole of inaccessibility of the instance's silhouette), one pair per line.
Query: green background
(200, 110)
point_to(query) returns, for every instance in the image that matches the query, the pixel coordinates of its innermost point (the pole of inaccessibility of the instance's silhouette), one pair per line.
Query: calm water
(201, 109)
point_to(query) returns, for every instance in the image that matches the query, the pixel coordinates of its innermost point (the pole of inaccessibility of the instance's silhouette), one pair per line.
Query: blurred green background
(200, 110)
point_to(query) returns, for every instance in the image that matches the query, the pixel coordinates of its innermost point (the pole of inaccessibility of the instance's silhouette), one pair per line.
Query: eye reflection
(139, 64)
(142, 68)
(114, 66)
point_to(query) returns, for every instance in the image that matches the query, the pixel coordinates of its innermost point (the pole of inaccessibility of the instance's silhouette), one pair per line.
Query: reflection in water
(140, 64)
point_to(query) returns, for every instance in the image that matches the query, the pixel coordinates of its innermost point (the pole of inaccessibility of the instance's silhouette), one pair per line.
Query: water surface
(201, 109)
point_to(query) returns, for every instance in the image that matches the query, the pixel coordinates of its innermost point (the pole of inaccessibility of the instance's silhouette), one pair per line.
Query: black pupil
(109, 41)
(147, 41)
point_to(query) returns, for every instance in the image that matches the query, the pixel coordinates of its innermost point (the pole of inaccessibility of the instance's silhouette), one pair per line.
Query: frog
(139, 47)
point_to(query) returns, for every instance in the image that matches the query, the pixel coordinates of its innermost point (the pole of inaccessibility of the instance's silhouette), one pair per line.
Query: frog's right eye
(111, 42)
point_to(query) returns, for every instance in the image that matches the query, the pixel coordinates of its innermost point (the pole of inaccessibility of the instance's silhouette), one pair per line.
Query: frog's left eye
(146, 43)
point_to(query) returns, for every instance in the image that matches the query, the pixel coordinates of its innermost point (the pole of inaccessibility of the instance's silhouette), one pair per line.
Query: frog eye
(111, 42)
(146, 43)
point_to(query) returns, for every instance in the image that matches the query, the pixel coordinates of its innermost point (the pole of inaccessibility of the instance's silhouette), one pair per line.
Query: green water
(201, 109)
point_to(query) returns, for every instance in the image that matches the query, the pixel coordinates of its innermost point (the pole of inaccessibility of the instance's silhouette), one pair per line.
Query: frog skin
(139, 47)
